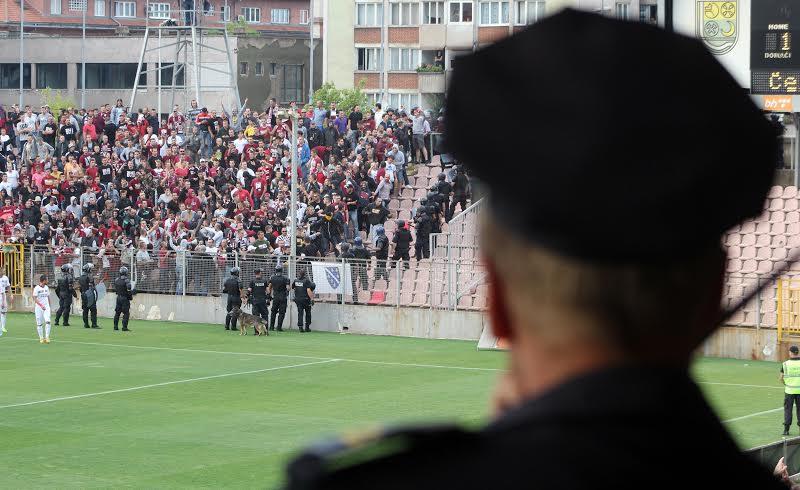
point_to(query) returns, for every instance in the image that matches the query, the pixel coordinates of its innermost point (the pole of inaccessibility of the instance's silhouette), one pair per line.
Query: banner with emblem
(332, 278)
(718, 25)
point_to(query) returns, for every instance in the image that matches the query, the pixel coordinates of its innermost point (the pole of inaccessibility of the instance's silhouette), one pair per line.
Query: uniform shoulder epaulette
(354, 449)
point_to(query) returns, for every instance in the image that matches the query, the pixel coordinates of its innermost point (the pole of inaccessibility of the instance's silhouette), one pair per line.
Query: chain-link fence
(427, 283)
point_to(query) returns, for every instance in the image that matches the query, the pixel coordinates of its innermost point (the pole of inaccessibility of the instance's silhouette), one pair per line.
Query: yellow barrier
(788, 308)
(12, 257)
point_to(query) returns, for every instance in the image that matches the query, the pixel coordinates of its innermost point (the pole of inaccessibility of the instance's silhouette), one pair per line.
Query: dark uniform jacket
(622, 428)
(258, 288)
(362, 254)
(88, 291)
(402, 239)
(280, 287)
(122, 286)
(232, 287)
(300, 289)
(64, 287)
(382, 247)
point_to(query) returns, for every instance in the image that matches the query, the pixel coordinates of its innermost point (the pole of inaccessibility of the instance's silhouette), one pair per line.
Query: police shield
(717, 24)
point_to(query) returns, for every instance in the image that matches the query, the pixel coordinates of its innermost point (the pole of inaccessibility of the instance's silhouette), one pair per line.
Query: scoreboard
(774, 63)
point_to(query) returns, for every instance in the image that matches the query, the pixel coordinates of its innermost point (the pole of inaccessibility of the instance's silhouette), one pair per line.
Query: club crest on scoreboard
(717, 24)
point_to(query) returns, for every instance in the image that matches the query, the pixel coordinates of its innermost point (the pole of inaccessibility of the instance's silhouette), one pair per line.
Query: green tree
(345, 98)
(241, 28)
(56, 100)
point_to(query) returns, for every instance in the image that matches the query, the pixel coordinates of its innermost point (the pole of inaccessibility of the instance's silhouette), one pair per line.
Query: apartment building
(402, 51)
(270, 53)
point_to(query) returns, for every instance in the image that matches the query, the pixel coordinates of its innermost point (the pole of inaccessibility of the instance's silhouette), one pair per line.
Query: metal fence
(428, 283)
(768, 455)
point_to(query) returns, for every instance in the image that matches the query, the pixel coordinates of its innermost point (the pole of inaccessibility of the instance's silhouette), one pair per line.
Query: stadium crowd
(215, 183)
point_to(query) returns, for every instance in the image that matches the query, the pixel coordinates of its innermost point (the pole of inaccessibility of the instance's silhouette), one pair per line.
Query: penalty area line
(736, 419)
(166, 383)
(265, 354)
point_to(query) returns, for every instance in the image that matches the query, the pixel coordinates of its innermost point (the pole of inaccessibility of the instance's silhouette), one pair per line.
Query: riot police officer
(381, 254)
(279, 290)
(303, 298)
(66, 291)
(125, 292)
(258, 295)
(233, 288)
(88, 296)
(424, 225)
(361, 264)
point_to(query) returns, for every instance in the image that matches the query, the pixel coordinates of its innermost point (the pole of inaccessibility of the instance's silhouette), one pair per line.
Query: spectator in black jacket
(402, 243)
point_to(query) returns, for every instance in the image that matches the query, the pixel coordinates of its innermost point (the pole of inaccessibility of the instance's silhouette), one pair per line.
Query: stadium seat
(790, 205)
(764, 267)
(748, 253)
(778, 241)
(777, 217)
(377, 297)
(792, 217)
(748, 228)
(775, 192)
(764, 216)
(793, 229)
(763, 228)
(420, 193)
(737, 318)
(777, 229)
(734, 252)
(763, 253)
(748, 240)
(763, 240)
(793, 241)
(407, 193)
(769, 319)
(789, 192)
(776, 205)
(420, 299)
(778, 254)
(733, 239)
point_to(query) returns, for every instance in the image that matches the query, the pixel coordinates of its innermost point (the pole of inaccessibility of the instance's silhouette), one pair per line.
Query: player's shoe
(41, 341)
(4, 330)
(47, 340)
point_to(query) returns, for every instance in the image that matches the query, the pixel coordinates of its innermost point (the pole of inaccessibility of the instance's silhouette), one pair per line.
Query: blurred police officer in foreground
(604, 258)
(125, 292)
(233, 288)
(88, 295)
(303, 298)
(258, 295)
(278, 288)
(790, 375)
(65, 289)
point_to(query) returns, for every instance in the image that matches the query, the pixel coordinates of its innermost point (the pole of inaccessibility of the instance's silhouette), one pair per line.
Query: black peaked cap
(624, 143)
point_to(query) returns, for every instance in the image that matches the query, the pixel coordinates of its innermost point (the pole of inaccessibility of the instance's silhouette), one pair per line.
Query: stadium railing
(769, 454)
(438, 283)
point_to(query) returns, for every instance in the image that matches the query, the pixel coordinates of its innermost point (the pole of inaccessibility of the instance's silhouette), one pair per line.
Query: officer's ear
(498, 308)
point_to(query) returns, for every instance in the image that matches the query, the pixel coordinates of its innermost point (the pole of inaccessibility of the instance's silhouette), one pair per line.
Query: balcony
(431, 82)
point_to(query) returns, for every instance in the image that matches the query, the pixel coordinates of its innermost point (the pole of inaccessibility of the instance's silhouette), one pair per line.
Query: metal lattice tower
(180, 44)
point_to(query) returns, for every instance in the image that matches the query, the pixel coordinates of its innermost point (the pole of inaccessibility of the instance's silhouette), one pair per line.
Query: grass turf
(227, 411)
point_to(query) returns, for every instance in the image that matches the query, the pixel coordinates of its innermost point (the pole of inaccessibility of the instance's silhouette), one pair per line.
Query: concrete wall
(742, 343)
(281, 51)
(104, 50)
(368, 320)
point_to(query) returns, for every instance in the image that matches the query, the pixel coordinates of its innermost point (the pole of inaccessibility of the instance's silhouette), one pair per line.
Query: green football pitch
(180, 405)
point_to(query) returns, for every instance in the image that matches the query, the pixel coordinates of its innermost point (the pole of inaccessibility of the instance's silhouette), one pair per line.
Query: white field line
(752, 415)
(739, 385)
(264, 354)
(166, 383)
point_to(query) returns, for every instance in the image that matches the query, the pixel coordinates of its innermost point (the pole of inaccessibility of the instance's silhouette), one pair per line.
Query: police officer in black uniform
(125, 292)
(360, 264)
(348, 256)
(88, 296)
(443, 190)
(233, 288)
(460, 191)
(303, 298)
(258, 295)
(424, 226)
(606, 268)
(278, 288)
(65, 289)
(402, 243)
(381, 254)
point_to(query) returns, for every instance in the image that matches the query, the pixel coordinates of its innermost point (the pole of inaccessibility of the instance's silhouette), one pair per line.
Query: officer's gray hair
(628, 307)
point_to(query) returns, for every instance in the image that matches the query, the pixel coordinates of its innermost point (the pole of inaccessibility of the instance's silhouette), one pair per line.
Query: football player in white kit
(5, 298)
(41, 297)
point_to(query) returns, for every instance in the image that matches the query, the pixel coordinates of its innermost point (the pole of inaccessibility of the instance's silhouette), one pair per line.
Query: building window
(251, 15)
(369, 14)
(259, 69)
(273, 67)
(407, 101)
(372, 98)
(51, 75)
(279, 16)
(225, 13)
(493, 13)
(99, 8)
(125, 9)
(369, 59)
(292, 87)
(166, 71)
(158, 10)
(404, 59)
(304, 16)
(648, 14)
(77, 5)
(111, 76)
(621, 10)
(528, 11)
(461, 12)
(55, 7)
(433, 12)
(9, 75)
(244, 68)
(404, 14)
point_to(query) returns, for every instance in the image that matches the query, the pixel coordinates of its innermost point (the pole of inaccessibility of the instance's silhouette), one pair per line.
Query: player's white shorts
(3, 303)
(42, 315)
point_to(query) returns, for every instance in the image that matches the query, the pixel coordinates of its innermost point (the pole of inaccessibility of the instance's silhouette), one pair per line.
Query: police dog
(247, 320)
